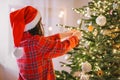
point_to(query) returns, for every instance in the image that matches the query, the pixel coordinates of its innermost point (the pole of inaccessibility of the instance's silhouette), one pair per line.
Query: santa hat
(23, 20)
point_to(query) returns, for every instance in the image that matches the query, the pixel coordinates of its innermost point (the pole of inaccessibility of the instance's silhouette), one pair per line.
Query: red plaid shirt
(36, 62)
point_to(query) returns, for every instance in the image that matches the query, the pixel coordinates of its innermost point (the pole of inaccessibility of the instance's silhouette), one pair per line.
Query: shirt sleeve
(51, 49)
(54, 37)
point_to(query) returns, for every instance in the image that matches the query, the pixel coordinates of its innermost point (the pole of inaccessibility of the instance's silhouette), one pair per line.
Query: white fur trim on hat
(33, 22)
(18, 52)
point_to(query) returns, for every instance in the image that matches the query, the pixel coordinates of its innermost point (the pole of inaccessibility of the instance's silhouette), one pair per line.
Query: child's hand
(70, 33)
(67, 34)
(77, 34)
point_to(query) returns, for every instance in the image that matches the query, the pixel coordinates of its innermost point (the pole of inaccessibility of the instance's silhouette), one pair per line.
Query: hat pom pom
(18, 52)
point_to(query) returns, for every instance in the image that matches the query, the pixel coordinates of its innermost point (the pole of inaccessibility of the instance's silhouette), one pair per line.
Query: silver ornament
(101, 20)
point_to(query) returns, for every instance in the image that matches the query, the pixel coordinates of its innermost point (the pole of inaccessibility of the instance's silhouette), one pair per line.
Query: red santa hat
(23, 20)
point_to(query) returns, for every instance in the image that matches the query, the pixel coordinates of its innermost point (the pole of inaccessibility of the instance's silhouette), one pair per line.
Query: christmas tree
(97, 57)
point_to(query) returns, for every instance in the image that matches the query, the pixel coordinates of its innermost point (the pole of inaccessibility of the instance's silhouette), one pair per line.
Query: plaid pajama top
(36, 62)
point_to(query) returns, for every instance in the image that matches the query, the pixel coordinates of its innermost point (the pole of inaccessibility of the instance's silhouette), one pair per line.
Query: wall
(3, 36)
(49, 10)
(5, 61)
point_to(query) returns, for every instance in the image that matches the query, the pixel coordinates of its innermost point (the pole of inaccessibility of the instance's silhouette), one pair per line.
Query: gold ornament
(111, 32)
(99, 72)
(90, 28)
(106, 32)
(116, 46)
(95, 32)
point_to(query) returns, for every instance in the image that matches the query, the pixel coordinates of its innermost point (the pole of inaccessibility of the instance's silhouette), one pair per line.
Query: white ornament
(84, 77)
(115, 6)
(101, 20)
(88, 13)
(86, 67)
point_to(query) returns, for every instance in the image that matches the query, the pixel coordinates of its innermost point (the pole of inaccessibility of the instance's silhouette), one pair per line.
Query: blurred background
(53, 12)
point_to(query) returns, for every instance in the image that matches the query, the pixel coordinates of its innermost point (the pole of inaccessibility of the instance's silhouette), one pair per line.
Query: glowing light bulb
(78, 21)
(13, 9)
(50, 28)
(61, 14)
